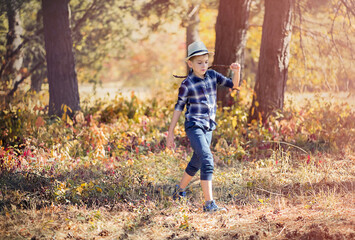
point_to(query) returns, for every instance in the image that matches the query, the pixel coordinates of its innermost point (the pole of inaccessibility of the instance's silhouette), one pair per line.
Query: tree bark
(272, 72)
(63, 84)
(231, 27)
(192, 30)
(13, 60)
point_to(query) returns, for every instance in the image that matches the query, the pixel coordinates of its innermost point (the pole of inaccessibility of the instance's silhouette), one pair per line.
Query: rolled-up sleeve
(182, 98)
(224, 81)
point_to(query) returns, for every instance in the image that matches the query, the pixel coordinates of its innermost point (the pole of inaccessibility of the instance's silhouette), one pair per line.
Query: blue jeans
(202, 158)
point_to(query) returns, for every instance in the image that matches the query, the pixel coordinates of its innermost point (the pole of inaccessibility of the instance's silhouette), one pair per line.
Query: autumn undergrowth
(112, 155)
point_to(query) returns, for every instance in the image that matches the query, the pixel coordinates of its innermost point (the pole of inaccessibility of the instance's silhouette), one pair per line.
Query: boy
(199, 93)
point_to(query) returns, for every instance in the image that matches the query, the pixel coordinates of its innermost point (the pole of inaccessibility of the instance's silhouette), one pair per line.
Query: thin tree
(63, 84)
(272, 72)
(13, 56)
(192, 29)
(231, 28)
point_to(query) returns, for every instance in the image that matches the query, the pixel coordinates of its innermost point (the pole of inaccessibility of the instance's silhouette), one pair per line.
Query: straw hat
(196, 49)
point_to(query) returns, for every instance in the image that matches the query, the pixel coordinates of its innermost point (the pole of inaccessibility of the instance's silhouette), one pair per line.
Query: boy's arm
(235, 67)
(170, 138)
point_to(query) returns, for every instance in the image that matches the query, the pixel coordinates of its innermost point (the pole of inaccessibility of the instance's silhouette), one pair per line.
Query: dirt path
(183, 221)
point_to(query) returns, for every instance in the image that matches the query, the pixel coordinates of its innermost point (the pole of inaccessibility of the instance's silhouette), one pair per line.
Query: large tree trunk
(13, 58)
(192, 30)
(231, 28)
(63, 84)
(271, 77)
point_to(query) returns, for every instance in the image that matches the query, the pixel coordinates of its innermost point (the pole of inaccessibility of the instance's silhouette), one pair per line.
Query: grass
(244, 222)
(107, 175)
(266, 201)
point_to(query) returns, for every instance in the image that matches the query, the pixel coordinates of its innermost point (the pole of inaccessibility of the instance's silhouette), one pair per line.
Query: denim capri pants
(202, 158)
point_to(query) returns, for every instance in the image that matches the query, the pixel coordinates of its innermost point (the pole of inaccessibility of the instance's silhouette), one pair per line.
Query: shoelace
(213, 205)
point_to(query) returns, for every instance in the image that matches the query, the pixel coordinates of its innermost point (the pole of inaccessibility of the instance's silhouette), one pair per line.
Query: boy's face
(199, 64)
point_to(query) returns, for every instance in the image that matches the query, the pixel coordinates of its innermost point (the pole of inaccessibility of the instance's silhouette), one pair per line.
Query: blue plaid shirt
(200, 97)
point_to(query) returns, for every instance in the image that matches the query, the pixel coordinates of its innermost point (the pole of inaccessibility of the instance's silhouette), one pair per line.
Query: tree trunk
(13, 59)
(63, 84)
(231, 28)
(271, 77)
(192, 31)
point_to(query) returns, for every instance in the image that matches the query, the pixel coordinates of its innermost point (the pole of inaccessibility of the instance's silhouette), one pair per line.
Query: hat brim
(199, 54)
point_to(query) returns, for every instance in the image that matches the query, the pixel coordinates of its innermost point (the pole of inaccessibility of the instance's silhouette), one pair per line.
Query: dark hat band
(198, 52)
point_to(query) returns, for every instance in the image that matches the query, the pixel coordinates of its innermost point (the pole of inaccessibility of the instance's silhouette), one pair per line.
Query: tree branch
(16, 51)
(193, 11)
(301, 41)
(84, 17)
(349, 9)
(11, 93)
(334, 43)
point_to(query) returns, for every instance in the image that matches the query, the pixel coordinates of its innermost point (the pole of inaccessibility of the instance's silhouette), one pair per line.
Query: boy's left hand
(235, 67)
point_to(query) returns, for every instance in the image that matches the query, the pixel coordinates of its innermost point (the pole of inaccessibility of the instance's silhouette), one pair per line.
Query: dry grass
(309, 202)
(279, 219)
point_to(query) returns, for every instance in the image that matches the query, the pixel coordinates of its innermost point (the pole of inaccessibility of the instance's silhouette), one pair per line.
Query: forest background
(100, 169)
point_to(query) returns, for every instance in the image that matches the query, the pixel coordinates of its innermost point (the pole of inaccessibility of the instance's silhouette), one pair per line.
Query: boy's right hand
(235, 67)
(170, 141)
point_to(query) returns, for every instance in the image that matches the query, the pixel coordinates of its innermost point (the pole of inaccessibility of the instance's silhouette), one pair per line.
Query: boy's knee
(207, 169)
(206, 173)
(191, 170)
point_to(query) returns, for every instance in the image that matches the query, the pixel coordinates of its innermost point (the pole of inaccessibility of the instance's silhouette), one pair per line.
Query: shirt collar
(194, 77)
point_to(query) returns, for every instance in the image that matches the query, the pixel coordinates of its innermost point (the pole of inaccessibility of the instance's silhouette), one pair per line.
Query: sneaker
(211, 206)
(178, 193)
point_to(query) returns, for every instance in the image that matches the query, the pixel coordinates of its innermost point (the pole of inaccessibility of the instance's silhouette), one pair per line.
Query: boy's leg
(207, 189)
(200, 141)
(202, 158)
(186, 178)
(207, 165)
(192, 168)
(207, 184)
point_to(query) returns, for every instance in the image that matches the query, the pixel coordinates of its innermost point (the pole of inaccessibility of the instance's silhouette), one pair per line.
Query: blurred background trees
(143, 43)
(322, 52)
(11, 44)
(13, 41)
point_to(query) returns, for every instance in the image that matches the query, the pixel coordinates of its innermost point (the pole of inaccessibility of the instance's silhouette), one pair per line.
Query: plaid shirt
(200, 97)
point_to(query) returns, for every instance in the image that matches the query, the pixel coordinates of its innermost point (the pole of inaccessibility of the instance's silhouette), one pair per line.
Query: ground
(281, 220)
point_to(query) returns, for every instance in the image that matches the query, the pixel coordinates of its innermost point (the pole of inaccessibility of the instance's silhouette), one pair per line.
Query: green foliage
(11, 127)
(3, 30)
(319, 125)
(16, 4)
(100, 29)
